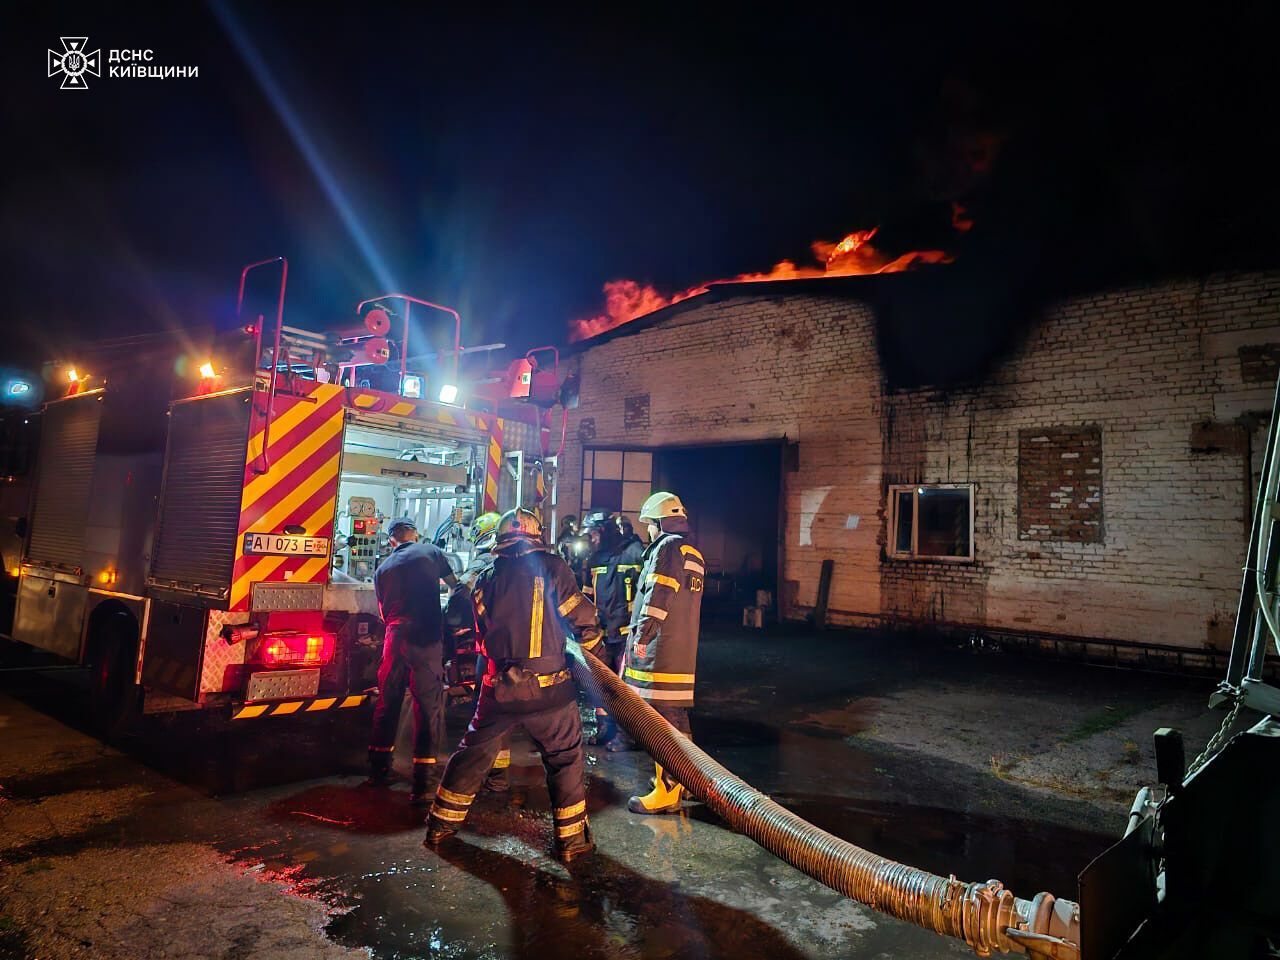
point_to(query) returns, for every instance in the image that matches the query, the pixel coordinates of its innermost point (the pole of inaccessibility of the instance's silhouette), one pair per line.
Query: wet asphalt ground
(202, 838)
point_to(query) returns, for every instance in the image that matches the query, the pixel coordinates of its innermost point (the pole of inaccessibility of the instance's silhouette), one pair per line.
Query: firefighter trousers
(556, 733)
(419, 669)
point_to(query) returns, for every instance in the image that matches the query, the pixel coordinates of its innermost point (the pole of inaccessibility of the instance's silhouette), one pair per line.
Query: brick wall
(1139, 373)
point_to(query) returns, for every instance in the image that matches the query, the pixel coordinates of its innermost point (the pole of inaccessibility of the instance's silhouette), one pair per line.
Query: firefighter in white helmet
(662, 645)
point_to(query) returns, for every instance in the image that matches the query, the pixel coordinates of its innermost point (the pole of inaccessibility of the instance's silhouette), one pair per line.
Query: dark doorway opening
(733, 495)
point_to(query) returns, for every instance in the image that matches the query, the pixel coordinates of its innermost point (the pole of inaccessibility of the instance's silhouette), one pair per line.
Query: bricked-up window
(933, 521)
(1060, 484)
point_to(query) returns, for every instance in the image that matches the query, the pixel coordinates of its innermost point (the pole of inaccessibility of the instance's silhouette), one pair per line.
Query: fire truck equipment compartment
(68, 443)
(200, 500)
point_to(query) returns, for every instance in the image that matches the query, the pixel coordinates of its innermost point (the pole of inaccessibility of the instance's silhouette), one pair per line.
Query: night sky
(508, 163)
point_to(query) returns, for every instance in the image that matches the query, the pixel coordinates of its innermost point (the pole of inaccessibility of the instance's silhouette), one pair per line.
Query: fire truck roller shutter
(200, 503)
(68, 445)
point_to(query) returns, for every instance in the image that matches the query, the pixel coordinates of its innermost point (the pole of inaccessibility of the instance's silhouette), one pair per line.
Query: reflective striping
(647, 677)
(665, 581)
(570, 830)
(277, 514)
(324, 703)
(282, 424)
(444, 813)
(290, 707)
(427, 760)
(352, 701)
(565, 813)
(256, 710)
(652, 693)
(656, 612)
(296, 456)
(693, 567)
(535, 622)
(689, 551)
(401, 409)
(459, 799)
(570, 605)
(366, 400)
(592, 644)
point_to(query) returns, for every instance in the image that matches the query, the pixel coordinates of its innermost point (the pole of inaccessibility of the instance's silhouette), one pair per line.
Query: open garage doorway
(733, 494)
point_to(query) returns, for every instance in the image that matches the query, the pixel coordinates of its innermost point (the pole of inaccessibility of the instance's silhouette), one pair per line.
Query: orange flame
(625, 300)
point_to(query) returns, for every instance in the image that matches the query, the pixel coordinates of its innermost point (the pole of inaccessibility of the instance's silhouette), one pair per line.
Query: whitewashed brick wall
(1145, 365)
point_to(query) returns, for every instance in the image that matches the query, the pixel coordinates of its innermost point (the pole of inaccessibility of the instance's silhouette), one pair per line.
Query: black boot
(579, 845)
(379, 768)
(497, 782)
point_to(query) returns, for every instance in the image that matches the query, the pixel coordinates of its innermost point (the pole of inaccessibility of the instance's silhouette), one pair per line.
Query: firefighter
(613, 569)
(662, 647)
(525, 603)
(407, 586)
(460, 621)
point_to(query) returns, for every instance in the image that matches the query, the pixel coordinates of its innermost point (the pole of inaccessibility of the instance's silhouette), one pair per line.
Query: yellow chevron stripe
(290, 707)
(307, 572)
(247, 713)
(365, 400)
(280, 470)
(324, 703)
(264, 567)
(352, 701)
(281, 425)
(401, 409)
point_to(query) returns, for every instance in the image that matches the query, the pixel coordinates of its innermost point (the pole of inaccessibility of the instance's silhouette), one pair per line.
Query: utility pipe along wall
(985, 915)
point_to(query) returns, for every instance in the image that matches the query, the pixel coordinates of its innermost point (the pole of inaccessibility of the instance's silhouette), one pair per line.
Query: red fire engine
(207, 511)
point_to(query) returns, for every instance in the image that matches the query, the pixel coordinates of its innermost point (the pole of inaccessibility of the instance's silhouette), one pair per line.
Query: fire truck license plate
(285, 545)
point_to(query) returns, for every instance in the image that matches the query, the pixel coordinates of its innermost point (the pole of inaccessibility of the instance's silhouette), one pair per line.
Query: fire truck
(208, 508)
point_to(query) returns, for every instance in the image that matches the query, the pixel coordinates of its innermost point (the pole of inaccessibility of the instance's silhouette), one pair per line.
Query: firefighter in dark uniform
(525, 601)
(407, 585)
(460, 622)
(613, 572)
(662, 648)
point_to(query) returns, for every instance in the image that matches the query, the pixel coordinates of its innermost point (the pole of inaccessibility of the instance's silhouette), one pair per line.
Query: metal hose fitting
(984, 915)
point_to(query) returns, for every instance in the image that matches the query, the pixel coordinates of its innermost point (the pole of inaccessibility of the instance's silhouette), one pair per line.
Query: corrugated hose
(985, 915)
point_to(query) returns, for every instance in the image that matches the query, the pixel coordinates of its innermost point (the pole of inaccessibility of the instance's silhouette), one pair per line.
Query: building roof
(853, 286)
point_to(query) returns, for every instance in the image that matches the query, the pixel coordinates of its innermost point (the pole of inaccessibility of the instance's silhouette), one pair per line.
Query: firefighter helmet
(661, 505)
(520, 522)
(598, 521)
(484, 525)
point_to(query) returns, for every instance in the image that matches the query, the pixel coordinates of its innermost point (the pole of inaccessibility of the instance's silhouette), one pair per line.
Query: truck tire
(115, 700)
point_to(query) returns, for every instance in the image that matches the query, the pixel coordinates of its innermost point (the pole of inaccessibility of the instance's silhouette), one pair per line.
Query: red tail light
(296, 649)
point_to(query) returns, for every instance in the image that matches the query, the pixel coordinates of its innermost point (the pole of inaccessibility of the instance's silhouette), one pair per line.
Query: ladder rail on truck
(184, 546)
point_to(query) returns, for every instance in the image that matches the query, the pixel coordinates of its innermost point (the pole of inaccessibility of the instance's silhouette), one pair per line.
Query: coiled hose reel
(984, 915)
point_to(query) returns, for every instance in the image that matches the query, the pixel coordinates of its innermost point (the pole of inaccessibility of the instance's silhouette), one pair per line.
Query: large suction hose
(984, 915)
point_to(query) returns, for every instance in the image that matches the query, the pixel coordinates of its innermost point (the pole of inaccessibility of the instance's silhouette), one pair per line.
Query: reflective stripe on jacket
(662, 649)
(614, 576)
(526, 602)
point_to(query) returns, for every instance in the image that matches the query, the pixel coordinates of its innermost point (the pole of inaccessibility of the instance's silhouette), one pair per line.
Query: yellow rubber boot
(665, 796)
